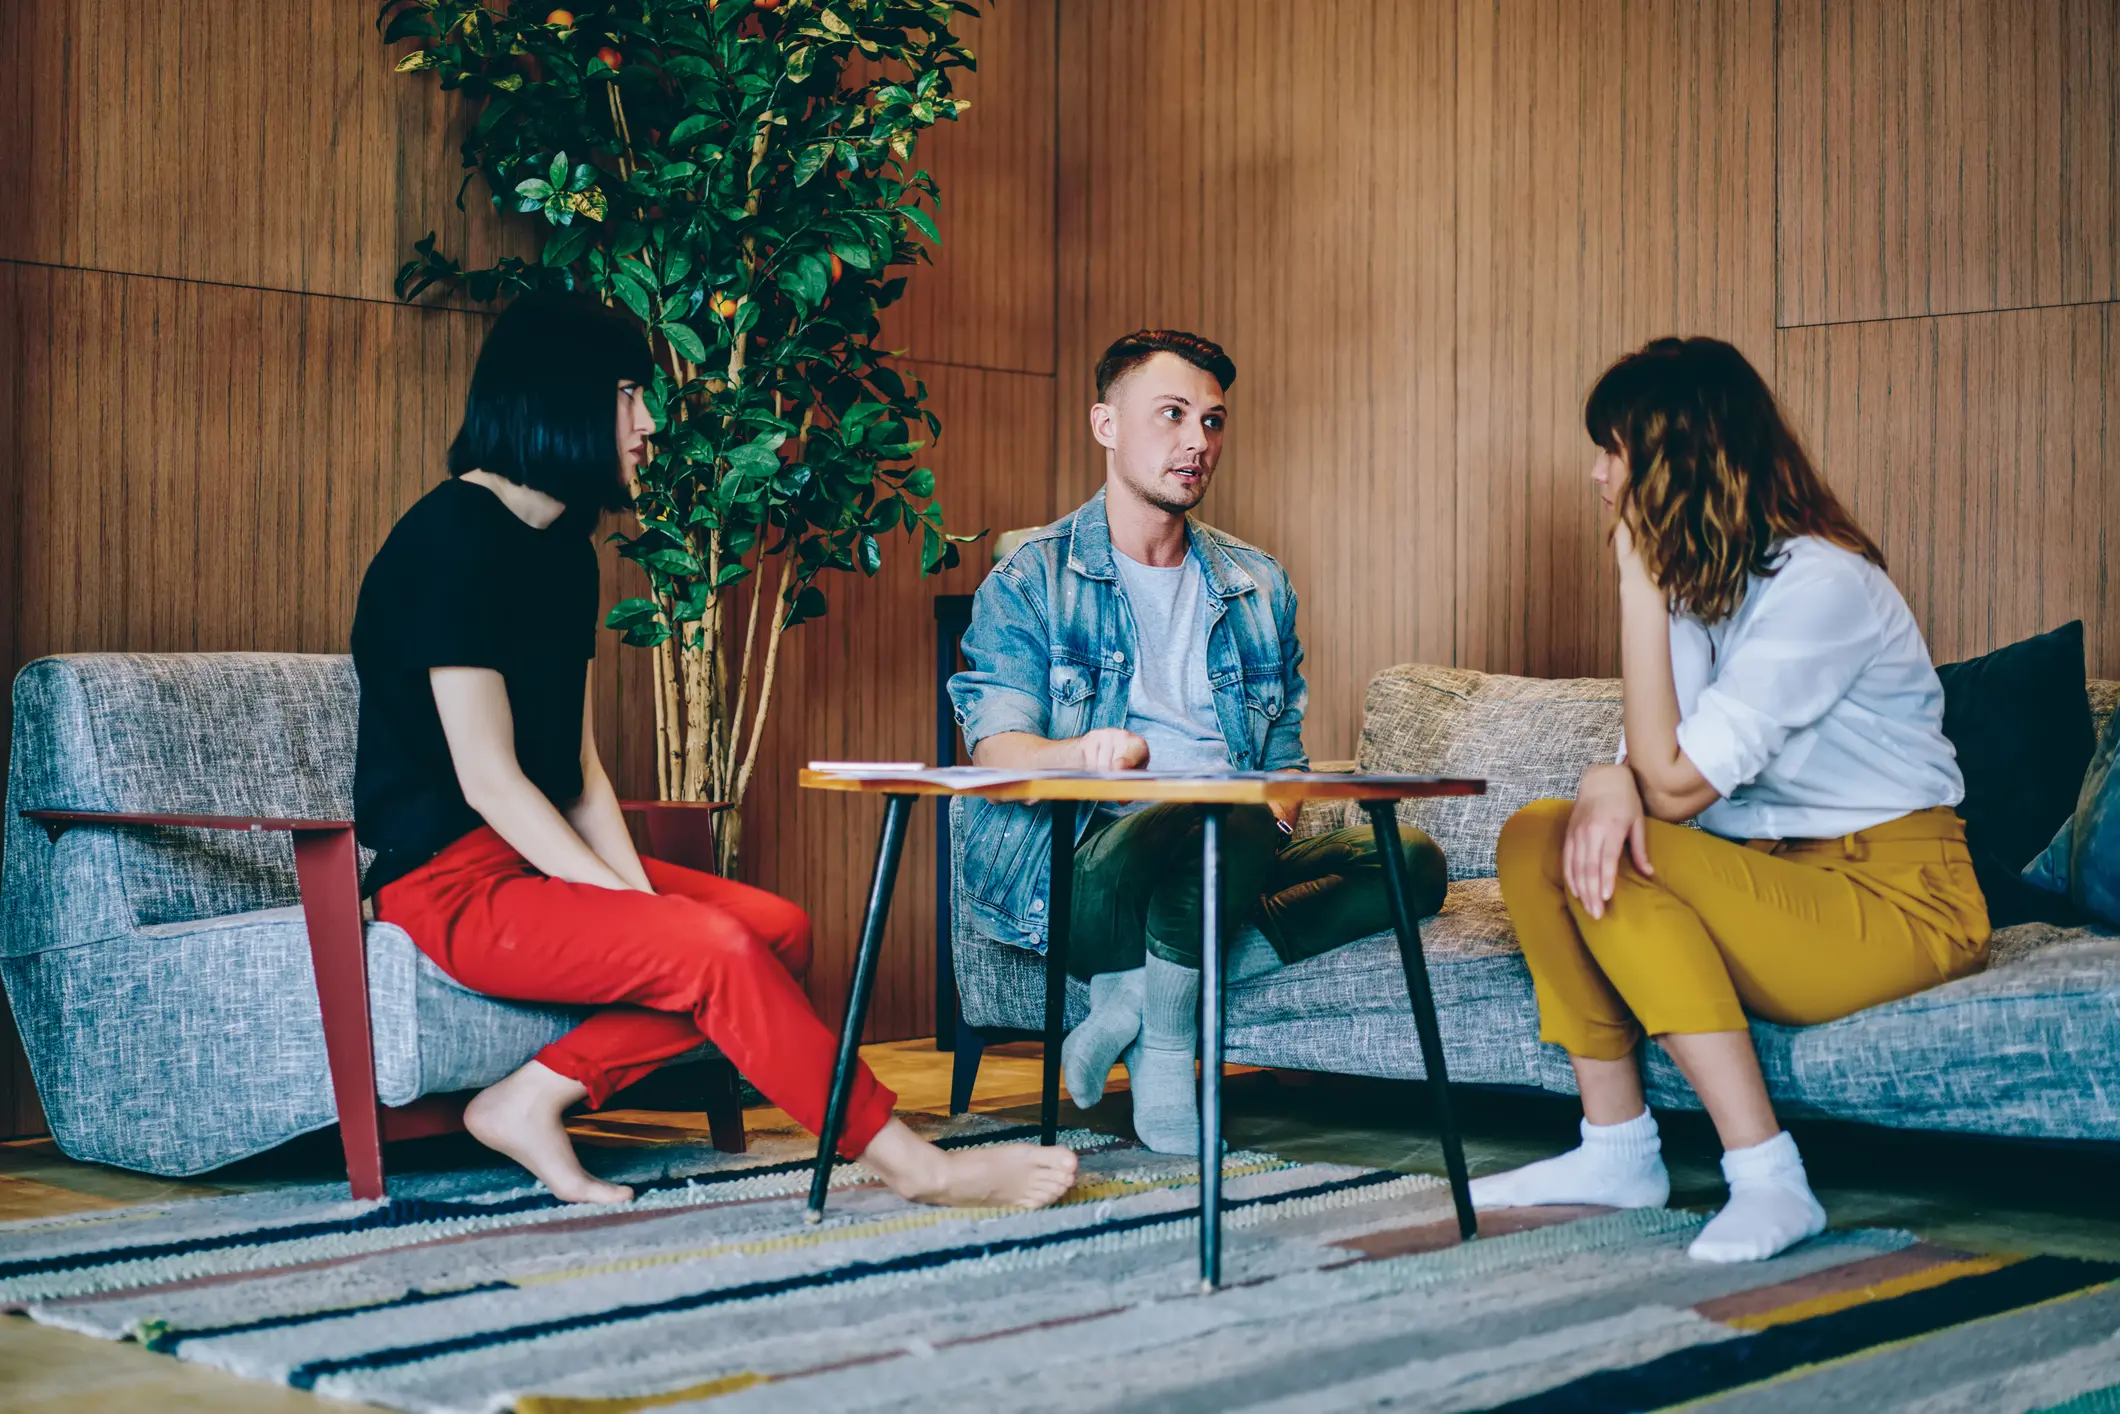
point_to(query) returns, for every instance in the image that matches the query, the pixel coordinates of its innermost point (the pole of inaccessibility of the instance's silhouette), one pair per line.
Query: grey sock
(1250, 954)
(1114, 1020)
(1166, 1104)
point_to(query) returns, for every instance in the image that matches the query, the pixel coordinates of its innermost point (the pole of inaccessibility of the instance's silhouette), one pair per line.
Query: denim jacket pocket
(1263, 705)
(1072, 690)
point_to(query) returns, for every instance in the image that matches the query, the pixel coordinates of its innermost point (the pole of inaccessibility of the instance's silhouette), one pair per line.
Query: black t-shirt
(462, 582)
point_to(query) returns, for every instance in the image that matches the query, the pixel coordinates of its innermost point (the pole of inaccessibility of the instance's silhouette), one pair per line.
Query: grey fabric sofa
(2030, 1047)
(162, 979)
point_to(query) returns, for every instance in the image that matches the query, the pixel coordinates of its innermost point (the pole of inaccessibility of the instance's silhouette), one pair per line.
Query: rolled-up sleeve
(1007, 657)
(1810, 637)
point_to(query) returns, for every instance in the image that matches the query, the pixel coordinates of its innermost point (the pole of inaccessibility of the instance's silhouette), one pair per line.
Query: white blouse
(1814, 709)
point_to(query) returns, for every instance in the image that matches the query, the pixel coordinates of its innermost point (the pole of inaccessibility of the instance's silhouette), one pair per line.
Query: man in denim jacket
(1129, 635)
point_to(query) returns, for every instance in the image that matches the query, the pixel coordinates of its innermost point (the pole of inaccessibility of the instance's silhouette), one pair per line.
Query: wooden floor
(1983, 1195)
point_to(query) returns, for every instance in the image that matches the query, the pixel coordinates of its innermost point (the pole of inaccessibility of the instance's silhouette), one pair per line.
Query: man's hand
(1112, 749)
(1607, 819)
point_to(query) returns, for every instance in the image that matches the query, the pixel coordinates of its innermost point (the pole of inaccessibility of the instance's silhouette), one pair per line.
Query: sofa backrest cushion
(267, 734)
(1528, 737)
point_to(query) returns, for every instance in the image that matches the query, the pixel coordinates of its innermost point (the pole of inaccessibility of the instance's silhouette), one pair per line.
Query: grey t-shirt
(1171, 706)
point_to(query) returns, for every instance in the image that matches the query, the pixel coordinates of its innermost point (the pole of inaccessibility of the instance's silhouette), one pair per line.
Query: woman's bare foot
(520, 1117)
(1002, 1176)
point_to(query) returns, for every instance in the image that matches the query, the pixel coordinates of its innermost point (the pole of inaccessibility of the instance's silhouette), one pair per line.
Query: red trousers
(701, 956)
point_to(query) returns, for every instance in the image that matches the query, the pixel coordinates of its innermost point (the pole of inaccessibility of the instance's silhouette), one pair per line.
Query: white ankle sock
(1771, 1205)
(1114, 1020)
(1160, 1069)
(1616, 1166)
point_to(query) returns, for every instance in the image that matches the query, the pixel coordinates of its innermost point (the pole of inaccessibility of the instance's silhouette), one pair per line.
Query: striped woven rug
(1347, 1290)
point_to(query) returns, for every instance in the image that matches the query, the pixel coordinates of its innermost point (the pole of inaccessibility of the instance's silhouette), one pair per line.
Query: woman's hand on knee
(1607, 819)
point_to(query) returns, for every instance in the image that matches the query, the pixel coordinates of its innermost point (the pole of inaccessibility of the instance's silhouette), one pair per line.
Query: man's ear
(1104, 425)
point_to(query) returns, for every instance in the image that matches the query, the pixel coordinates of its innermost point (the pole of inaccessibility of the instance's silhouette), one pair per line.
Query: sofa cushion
(1528, 737)
(2024, 1048)
(2021, 724)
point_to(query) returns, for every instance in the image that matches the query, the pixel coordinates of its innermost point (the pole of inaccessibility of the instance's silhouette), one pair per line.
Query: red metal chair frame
(327, 873)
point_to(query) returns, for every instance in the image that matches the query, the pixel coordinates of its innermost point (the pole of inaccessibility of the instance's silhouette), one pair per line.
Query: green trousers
(1137, 887)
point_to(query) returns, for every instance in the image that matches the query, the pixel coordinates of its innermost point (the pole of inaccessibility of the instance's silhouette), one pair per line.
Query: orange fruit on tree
(560, 19)
(838, 269)
(765, 4)
(725, 307)
(611, 57)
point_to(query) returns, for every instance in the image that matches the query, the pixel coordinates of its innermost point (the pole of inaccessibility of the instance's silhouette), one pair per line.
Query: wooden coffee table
(1066, 792)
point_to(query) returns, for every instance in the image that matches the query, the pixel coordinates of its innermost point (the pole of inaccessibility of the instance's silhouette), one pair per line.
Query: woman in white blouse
(1777, 692)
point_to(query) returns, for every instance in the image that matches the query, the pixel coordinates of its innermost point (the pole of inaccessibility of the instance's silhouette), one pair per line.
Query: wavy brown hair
(1715, 478)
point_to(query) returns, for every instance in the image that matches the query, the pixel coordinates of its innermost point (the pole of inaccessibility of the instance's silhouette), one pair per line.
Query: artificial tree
(740, 175)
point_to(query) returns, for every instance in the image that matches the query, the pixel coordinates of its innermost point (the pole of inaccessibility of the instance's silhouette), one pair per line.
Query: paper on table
(863, 768)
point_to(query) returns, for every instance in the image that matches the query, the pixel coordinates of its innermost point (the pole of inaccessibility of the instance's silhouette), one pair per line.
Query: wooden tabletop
(1158, 787)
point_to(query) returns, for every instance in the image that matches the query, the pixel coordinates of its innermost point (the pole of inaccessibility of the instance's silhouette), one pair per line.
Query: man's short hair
(1130, 351)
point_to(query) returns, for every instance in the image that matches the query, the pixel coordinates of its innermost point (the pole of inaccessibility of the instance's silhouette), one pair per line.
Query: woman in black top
(499, 844)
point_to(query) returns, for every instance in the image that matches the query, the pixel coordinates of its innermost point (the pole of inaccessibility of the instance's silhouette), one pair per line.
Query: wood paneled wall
(1422, 230)
(213, 409)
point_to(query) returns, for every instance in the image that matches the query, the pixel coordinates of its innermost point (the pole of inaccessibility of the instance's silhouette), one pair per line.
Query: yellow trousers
(1795, 931)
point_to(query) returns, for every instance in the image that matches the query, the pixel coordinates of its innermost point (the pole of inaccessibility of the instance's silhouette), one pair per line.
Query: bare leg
(1000, 1176)
(1611, 1089)
(520, 1117)
(1723, 1069)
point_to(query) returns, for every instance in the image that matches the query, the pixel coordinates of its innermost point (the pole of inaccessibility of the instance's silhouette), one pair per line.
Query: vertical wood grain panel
(1943, 156)
(1980, 450)
(1614, 184)
(987, 302)
(1133, 121)
(1340, 452)
(264, 143)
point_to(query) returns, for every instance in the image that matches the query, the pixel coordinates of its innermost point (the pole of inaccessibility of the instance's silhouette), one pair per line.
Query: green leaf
(810, 162)
(730, 573)
(855, 253)
(535, 189)
(628, 612)
(806, 278)
(808, 604)
(557, 174)
(919, 219)
(746, 317)
(673, 563)
(409, 24)
(688, 344)
(868, 554)
(631, 291)
(920, 481)
(690, 130)
(581, 178)
(933, 548)
(676, 265)
(566, 247)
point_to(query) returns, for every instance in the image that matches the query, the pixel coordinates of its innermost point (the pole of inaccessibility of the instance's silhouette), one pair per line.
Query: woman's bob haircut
(1716, 481)
(543, 408)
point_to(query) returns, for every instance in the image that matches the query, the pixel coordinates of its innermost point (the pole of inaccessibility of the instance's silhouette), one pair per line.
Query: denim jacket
(1051, 651)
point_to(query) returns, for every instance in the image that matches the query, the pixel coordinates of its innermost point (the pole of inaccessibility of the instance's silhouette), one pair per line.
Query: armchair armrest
(58, 822)
(327, 873)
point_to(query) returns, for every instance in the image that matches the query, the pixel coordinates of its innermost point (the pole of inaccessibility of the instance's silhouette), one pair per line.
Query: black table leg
(1384, 821)
(896, 810)
(1059, 915)
(1211, 817)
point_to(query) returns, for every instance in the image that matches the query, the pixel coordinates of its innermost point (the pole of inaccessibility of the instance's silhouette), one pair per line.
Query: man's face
(1162, 427)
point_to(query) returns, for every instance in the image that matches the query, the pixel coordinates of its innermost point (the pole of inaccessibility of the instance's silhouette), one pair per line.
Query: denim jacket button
(1117, 656)
(1037, 905)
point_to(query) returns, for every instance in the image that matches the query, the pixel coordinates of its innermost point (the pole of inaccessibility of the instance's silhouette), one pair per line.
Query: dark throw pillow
(2020, 718)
